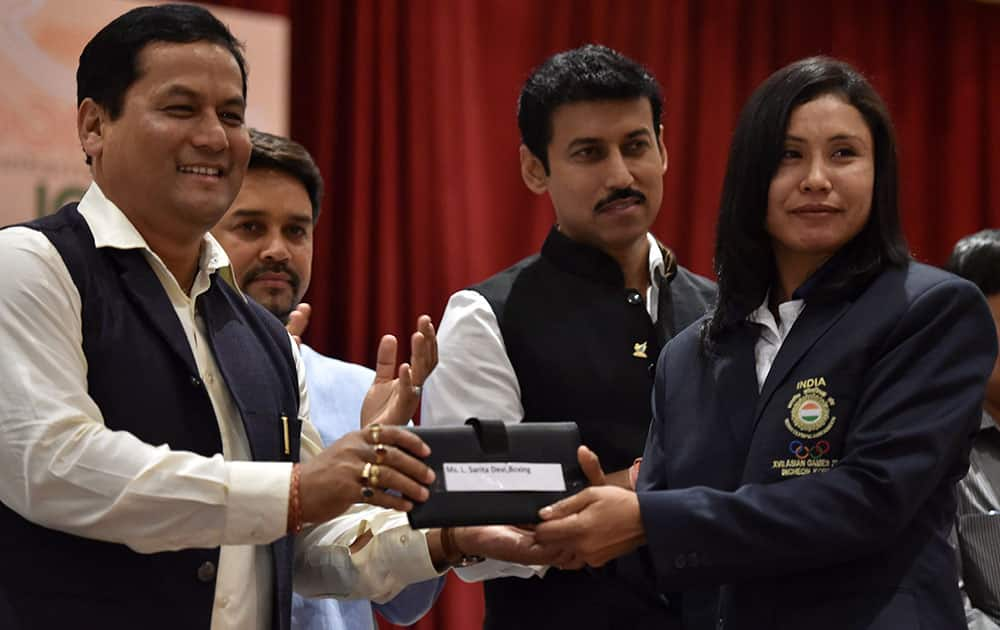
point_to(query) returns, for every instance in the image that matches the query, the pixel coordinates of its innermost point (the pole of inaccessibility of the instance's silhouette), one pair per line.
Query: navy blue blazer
(826, 499)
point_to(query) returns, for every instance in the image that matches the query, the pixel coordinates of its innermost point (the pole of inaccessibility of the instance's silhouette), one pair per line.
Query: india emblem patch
(809, 409)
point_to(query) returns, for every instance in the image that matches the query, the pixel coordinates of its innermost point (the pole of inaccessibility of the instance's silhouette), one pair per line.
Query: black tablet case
(485, 441)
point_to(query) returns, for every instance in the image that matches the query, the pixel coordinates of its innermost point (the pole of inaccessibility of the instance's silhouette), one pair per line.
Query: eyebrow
(253, 213)
(839, 136)
(186, 92)
(642, 132)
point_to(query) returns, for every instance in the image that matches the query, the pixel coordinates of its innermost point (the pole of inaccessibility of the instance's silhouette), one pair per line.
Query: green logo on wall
(45, 206)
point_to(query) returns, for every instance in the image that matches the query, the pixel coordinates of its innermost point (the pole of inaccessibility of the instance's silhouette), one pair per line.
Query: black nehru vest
(143, 377)
(584, 349)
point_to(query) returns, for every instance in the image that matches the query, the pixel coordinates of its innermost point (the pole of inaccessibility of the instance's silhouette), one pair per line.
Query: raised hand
(395, 393)
(298, 321)
(423, 350)
(360, 467)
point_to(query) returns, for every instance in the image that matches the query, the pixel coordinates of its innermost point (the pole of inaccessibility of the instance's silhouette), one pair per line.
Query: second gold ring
(370, 474)
(381, 450)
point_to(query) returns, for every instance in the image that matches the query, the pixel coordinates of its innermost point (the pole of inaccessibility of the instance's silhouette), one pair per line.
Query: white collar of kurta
(655, 257)
(987, 422)
(111, 228)
(789, 312)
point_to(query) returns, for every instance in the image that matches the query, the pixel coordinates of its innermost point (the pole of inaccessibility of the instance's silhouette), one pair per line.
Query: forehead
(603, 120)
(828, 116)
(273, 193)
(201, 67)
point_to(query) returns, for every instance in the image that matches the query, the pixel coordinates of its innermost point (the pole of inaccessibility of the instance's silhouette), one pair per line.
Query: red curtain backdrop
(409, 108)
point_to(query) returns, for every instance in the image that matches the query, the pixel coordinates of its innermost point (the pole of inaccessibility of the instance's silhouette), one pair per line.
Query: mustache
(256, 272)
(617, 195)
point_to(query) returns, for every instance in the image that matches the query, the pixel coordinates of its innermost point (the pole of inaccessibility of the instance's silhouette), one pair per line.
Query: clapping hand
(395, 394)
(298, 321)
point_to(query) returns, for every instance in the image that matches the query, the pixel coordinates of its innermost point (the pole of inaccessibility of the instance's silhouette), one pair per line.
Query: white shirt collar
(111, 228)
(788, 311)
(987, 422)
(655, 257)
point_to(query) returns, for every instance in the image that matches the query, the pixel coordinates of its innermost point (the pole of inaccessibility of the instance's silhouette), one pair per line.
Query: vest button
(206, 572)
(652, 369)
(633, 297)
(195, 381)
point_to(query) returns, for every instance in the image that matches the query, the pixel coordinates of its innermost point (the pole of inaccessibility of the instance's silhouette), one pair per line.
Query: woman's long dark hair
(744, 259)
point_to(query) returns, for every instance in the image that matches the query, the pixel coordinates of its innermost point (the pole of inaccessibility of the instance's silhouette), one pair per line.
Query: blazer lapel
(147, 292)
(814, 321)
(252, 383)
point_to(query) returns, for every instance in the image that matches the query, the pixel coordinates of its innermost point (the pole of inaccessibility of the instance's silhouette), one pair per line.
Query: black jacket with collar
(584, 349)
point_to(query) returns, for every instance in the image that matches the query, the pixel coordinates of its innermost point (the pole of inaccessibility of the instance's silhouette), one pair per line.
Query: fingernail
(545, 512)
(424, 494)
(431, 476)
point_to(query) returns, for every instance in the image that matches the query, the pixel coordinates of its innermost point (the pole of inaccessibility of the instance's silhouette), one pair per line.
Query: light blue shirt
(336, 391)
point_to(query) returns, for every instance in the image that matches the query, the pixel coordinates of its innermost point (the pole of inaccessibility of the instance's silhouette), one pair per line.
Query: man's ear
(533, 171)
(663, 150)
(90, 119)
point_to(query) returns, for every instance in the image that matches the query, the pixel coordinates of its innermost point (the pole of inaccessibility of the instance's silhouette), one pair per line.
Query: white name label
(503, 476)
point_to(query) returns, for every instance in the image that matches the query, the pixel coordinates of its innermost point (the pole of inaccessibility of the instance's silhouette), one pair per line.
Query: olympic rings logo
(803, 451)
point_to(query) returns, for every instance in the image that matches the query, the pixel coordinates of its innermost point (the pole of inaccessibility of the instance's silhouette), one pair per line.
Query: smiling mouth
(208, 171)
(619, 204)
(815, 210)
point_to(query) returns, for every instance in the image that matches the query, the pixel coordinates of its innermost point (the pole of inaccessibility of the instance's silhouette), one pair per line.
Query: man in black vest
(572, 333)
(151, 417)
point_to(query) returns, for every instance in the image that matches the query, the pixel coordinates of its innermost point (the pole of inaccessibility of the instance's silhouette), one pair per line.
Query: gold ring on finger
(366, 493)
(376, 432)
(373, 476)
(381, 450)
(366, 473)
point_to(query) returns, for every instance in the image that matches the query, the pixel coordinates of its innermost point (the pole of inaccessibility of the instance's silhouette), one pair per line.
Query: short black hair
(283, 154)
(109, 63)
(589, 73)
(744, 258)
(976, 258)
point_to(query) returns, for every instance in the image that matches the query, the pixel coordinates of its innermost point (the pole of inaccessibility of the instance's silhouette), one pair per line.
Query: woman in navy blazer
(807, 436)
